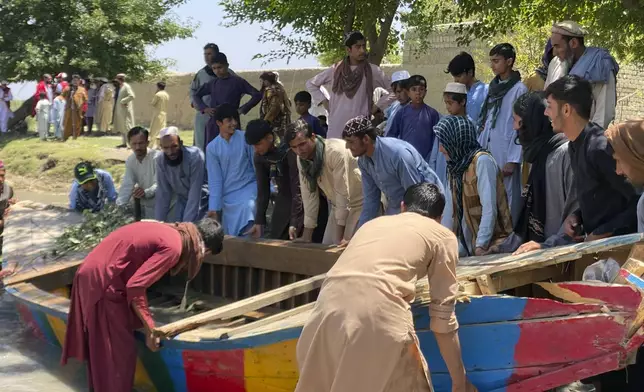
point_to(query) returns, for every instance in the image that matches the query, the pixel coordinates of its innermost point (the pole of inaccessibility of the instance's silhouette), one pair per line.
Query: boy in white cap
(455, 98)
(399, 88)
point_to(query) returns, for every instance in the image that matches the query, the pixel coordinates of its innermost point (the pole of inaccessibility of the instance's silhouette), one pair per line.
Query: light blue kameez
(232, 182)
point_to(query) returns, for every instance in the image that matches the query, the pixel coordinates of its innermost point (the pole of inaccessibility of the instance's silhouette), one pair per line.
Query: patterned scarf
(457, 135)
(192, 249)
(275, 157)
(94, 200)
(347, 82)
(313, 169)
(495, 96)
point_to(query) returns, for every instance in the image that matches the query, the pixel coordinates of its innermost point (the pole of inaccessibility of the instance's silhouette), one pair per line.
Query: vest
(472, 209)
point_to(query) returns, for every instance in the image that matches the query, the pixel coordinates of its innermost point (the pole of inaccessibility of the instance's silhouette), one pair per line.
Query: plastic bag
(604, 271)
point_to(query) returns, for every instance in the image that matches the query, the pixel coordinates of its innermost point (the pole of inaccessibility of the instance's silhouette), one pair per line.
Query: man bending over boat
(360, 335)
(108, 296)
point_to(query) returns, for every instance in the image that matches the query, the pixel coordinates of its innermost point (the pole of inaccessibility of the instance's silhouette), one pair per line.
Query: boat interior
(259, 286)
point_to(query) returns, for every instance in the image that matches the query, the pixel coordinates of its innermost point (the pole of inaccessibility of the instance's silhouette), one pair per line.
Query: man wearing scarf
(627, 141)
(326, 165)
(274, 161)
(203, 77)
(496, 133)
(181, 177)
(353, 82)
(595, 65)
(108, 301)
(549, 195)
(478, 212)
(389, 166)
(91, 189)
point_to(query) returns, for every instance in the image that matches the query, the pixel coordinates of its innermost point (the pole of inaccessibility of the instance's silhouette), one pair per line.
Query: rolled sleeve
(443, 286)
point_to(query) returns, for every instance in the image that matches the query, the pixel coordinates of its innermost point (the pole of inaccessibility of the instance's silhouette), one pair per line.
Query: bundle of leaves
(93, 230)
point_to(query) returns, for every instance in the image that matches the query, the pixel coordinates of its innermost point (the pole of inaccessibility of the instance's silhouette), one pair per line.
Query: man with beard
(595, 65)
(124, 109)
(389, 166)
(202, 77)
(181, 178)
(607, 201)
(496, 133)
(353, 82)
(140, 180)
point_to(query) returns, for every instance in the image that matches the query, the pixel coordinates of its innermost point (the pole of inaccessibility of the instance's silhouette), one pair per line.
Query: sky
(239, 43)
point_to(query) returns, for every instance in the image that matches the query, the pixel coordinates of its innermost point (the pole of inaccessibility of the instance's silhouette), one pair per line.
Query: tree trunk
(378, 42)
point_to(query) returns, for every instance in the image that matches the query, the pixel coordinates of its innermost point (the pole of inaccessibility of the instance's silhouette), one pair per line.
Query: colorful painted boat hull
(509, 344)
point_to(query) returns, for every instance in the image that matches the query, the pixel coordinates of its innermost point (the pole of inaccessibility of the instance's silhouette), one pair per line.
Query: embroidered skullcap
(169, 131)
(416, 80)
(357, 125)
(399, 75)
(456, 88)
(569, 29)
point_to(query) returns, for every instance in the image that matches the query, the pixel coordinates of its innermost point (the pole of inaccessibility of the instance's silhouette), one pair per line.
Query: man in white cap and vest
(595, 65)
(399, 88)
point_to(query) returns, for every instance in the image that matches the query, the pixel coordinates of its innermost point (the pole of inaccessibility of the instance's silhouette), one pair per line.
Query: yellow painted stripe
(59, 328)
(271, 368)
(142, 380)
(61, 292)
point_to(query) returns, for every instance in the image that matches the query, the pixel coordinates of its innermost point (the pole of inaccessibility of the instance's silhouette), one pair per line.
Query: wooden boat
(252, 301)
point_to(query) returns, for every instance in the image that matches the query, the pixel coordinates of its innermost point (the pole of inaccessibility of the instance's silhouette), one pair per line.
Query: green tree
(310, 27)
(613, 24)
(99, 37)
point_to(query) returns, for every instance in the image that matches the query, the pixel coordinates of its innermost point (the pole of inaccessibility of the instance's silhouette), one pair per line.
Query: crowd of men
(446, 185)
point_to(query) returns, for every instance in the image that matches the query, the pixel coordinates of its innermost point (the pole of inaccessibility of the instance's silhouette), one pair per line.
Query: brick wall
(432, 64)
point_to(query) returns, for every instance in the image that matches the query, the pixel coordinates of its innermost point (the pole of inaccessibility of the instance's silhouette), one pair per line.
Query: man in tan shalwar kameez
(327, 164)
(160, 105)
(360, 336)
(105, 108)
(124, 112)
(76, 97)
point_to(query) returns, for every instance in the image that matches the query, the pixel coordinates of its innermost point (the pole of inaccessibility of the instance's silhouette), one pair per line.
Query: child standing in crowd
(455, 98)
(399, 88)
(302, 107)
(42, 115)
(58, 113)
(415, 122)
(496, 123)
(463, 70)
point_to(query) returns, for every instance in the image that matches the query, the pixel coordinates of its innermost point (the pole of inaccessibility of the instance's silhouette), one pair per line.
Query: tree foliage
(613, 24)
(309, 27)
(99, 37)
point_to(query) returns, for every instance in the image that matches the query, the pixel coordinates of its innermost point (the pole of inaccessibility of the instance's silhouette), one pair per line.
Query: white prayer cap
(169, 131)
(456, 88)
(399, 75)
(569, 29)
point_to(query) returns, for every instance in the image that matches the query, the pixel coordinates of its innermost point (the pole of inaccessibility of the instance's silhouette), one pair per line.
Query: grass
(49, 165)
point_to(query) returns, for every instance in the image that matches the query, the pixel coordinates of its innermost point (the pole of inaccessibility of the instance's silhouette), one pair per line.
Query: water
(28, 364)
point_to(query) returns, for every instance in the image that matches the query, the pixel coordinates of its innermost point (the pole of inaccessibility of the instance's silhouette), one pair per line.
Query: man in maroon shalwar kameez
(109, 294)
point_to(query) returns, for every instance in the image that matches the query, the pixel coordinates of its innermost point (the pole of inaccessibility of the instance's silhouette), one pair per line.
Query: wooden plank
(224, 281)
(635, 262)
(290, 303)
(240, 307)
(614, 296)
(277, 255)
(236, 283)
(249, 282)
(54, 268)
(262, 280)
(486, 285)
(266, 321)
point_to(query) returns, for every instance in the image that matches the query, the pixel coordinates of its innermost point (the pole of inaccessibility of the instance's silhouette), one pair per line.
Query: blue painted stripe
(174, 363)
(483, 380)
(25, 299)
(263, 339)
(485, 347)
(634, 280)
(43, 323)
(486, 309)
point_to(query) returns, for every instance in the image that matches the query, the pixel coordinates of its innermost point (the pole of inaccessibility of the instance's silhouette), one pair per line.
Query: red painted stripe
(617, 295)
(221, 371)
(567, 374)
(28, 319)
(541, 308)
(568, 339)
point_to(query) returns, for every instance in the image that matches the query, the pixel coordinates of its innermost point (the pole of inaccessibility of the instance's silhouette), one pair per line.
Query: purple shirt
(315, 124)
(228, 90)
(416, 127)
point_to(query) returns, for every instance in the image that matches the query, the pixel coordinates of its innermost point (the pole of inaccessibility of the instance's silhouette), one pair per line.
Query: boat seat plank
(240, 307)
